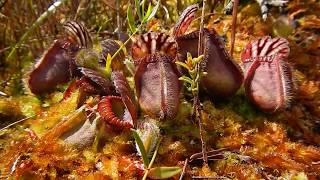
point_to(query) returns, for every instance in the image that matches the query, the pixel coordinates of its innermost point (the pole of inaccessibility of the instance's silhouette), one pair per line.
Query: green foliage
(108, 64)
(153, 12)
(163, 172)
(143, 18)
(195, 76)
(141, 148)
(130, 19)
(157, 172)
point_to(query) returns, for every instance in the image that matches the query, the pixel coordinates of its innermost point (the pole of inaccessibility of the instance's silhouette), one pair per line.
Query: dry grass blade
(14, 123)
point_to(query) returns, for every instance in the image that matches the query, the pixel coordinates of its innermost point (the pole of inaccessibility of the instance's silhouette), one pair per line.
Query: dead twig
(14, 123)
(118, 19)
(80, 7)
(234, 25)
(196, 101)
(212, 155)
(184, 168)
(210, 177)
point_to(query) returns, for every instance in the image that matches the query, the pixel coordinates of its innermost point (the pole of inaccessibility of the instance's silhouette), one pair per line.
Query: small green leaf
(182, 64)
(148, 13)
(130, 18)
(141, 148)
(186, 79)
(163, 172)
(198, 59)
(189, 56)
(154, 10)
(108, 64)
(130, 66)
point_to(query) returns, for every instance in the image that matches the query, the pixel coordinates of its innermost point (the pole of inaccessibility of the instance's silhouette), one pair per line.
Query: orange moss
(272, 149)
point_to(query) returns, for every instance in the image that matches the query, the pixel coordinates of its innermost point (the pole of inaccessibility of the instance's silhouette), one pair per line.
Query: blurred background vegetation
(103, 16)
(299, 20)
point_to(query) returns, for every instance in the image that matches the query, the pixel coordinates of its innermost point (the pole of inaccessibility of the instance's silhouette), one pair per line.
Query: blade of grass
(148, 13)
(152, 160)
(142, 3)
(164, 172)
(155, 153)
(131, 20)
(154, 10)
(141, 148)
(137, 4)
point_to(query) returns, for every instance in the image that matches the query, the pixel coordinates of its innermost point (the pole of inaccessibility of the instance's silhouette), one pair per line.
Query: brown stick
(211, 177)
(234, 25)
(118, 19)
(212, 154)
(196, 102)
(80, 6)
(184, 169)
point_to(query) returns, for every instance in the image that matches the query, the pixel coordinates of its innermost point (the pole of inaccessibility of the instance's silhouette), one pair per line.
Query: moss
(49, 117)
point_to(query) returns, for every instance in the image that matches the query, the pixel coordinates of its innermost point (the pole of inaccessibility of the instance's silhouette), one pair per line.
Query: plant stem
(198, 116)
(200, 44)
(108, 64)
(16, 122)
(80, 6)
(145, 175)
(184, 168)
(118, 18)
(234, 25)
(126, 42)
(196, 101)
(152, 160)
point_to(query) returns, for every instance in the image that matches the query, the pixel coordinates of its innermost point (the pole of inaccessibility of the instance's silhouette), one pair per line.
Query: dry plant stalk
(234, 25)
(196, 101)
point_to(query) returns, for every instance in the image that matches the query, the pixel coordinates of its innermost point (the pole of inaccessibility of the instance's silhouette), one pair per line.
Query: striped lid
(153, 42)
(78, 33)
